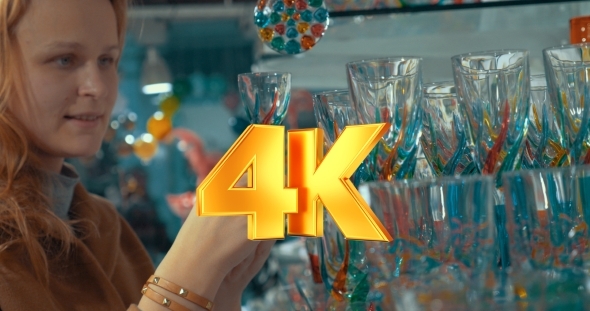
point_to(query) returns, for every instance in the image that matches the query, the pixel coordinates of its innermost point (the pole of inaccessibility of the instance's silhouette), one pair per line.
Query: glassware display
(389, 90)
(568, 69)
(265, 96)
(445, 142)
(483, 234)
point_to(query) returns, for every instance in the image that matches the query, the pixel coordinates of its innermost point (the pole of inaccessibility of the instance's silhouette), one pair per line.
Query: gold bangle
(180, 291)
(162, 300)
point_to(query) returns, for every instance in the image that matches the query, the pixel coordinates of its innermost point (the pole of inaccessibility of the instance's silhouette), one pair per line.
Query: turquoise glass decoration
(291, 26)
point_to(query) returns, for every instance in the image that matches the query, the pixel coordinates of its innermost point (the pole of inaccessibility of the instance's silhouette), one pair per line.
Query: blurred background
(178, 108)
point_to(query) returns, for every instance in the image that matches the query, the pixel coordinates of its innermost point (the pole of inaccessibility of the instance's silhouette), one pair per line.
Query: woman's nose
(93, 82)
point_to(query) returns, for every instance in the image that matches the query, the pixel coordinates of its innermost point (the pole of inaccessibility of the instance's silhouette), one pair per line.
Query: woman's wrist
(201, 278)
(148, 304)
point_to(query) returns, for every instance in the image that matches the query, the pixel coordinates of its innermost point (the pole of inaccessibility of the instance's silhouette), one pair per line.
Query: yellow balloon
(159, 125)
(145, 147)
(169, 105)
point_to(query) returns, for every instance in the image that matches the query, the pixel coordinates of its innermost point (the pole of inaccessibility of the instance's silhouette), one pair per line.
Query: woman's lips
(86, 121)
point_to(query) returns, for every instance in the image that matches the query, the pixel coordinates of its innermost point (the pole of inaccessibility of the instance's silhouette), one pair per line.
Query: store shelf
(434, 36)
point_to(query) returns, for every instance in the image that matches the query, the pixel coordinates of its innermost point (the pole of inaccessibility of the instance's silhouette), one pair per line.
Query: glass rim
(546, 52)
(352, 75)
(337, 92)
(384, 59)
(571, 168)
(449, 83)
(435, 181)
(512, 67)
(563, 46)
(264, 73)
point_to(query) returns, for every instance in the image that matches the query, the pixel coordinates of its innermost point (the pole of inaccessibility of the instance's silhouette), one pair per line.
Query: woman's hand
(211, 251)
(205, 251)
(230, 292)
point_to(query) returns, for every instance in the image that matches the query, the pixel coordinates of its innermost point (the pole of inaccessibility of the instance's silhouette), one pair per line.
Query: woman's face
(69, 53)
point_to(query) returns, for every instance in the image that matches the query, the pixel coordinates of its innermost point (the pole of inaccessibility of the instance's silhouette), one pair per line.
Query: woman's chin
(83, 151)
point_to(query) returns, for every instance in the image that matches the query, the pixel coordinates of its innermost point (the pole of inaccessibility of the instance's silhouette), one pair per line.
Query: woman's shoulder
(115, 235)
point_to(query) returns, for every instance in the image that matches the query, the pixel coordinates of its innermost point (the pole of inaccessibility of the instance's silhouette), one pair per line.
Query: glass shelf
(435, 36)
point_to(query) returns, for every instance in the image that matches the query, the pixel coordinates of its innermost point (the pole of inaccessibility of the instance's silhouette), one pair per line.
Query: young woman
(62, 248)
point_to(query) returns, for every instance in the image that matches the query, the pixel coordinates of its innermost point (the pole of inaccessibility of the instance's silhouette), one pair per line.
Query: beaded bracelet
(180, 291)
(162, 300)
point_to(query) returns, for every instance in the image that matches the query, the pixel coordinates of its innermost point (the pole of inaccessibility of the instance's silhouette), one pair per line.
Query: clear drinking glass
(265, 96)
(333, 111)
(389, 90)
(547, 215)
(443, 233)
(493, 91)
(544, 139)
(342, 261)
(548, 212)
(568, 76)
(445, 142)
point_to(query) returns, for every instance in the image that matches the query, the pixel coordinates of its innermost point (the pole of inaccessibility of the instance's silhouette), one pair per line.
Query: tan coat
(104, 272)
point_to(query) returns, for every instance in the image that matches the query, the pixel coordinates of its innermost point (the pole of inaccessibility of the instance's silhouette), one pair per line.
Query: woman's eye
(65, 61)
(105, 61)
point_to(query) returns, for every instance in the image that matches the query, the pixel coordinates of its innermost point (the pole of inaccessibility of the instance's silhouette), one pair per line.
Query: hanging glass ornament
(291, 26)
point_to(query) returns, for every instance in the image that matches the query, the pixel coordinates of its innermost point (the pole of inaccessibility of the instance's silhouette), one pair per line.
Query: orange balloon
(159, 125)
(145, 147)
(169, 105)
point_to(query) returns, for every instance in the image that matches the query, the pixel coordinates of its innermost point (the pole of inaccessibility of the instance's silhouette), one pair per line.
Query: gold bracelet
(180, 291)
(162, 300)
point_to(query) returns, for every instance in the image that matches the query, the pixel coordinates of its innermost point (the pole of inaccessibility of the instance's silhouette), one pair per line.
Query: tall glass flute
(568, 75)
(389, 90)
(265, 96)
(343, 265)
(544, 138)
(548, 213)
(493, 90)
(443, 243)
(444, 140)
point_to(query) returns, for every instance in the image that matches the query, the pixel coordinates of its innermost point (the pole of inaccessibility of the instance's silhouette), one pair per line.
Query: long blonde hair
(27, 222)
